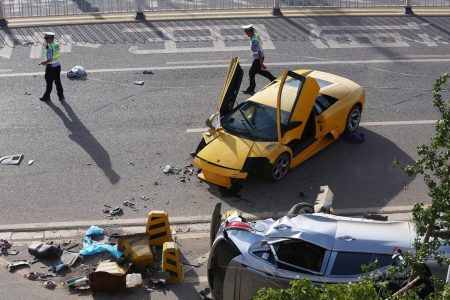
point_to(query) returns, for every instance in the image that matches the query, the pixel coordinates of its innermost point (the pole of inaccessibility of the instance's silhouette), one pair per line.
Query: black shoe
(45, 99)
(62, 98)
(248, 92)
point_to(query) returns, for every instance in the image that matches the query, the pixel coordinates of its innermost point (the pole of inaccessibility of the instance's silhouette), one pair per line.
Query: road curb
(227, 14)
(176, 220)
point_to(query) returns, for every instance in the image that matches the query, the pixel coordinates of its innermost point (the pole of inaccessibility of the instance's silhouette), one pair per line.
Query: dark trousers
(53, 74)
(256, 69)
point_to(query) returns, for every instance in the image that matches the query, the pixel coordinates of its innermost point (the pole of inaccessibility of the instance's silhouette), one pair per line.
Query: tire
(279, 169)
(353, 119)
(301, 209)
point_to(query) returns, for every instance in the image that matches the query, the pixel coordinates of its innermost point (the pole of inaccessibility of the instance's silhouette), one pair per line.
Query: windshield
(261, 123)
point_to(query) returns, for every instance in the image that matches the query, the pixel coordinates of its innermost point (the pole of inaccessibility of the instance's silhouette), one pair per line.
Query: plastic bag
(77, 72)
(91, 247)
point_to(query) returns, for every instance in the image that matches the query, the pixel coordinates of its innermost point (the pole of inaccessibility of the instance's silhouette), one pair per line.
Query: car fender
(273, 155)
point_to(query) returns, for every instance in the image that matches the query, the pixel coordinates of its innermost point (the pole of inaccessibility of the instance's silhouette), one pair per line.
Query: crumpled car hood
(227, 150)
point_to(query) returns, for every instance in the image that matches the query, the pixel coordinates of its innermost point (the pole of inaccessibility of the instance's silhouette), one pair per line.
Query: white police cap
(49, 35)
(247, 28)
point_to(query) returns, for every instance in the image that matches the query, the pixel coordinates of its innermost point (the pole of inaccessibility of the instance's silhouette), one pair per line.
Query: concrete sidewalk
(224, 14)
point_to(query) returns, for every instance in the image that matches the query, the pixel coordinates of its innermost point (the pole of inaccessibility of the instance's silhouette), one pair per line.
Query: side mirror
(213, 121)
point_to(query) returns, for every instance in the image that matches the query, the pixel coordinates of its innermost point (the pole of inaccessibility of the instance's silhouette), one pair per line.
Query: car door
(230, 88)
(296, 94)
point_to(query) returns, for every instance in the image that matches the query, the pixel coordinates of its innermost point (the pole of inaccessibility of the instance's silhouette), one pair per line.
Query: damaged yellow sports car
(279, 127)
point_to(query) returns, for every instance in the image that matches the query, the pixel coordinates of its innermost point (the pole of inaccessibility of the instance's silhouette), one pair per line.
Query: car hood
(227, 150)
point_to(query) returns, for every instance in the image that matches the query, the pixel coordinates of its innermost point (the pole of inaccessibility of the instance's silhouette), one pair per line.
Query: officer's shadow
(83, 137)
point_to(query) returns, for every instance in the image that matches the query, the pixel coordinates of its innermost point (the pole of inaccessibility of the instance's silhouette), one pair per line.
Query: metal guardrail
(42, 8)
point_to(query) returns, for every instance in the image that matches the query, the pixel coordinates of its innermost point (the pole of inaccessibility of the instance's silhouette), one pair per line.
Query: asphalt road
(111, 138)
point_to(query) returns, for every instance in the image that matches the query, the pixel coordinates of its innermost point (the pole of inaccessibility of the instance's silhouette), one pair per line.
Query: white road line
(196, 130)
(290, 64)
(200, 62)
(393, 123)
(383, 123)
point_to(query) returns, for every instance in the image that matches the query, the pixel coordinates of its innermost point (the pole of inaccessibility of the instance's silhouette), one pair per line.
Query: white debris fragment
(30, 162)
(139, 83)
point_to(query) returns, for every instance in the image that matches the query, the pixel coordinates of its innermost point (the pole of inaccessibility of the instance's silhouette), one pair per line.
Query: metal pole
(276, 8)
(408, 8)
(140, 10)
(3, 22)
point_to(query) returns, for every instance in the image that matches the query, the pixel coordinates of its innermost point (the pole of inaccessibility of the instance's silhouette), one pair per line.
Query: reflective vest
(55, 51)
(257, 38)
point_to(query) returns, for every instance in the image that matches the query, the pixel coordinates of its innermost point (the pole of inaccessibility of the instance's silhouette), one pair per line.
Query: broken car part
(17, 264)
(44, 250)
(11, 159)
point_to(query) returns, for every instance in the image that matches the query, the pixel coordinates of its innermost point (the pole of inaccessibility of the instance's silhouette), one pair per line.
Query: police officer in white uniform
(52, 67)
(258, 66)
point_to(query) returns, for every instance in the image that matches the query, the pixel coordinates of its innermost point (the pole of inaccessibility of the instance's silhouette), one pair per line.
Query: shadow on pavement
(360, 175)
(83, 137)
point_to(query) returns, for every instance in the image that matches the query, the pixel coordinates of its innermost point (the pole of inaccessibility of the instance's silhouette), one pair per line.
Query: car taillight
(238, 225)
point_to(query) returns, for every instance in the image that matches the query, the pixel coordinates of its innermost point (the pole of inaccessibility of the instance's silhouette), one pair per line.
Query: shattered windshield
(254, 121)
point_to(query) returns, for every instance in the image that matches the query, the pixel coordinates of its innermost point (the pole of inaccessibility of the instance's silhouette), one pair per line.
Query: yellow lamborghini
(279, 127)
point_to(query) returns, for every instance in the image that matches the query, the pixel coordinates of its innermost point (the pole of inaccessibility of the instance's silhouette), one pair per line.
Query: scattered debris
(111, 268)
(133, 280)
(17, 264)
(205, 294)
(88, 164)
(77, 282)
(31, 275)
(14, 159)
(158, 284)
(106, 282)
(148, 72)
(66, 260)
(185, 229)
(27, 94)
(43, 250)
(130, 204)
(155, 183)
(30, 162)
(139, 83)
(50, 284)
(168, 169)
(13, 252)
(111, 213)
(145, 198)
(4, 246)
(191, 263)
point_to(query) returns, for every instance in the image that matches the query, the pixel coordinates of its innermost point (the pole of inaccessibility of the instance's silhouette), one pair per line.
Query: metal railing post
(3, 22)
(140, 10)
(408, 8)
(276, 8)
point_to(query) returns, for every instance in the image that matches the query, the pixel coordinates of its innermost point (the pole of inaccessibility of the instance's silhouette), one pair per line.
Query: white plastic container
(133, 280)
